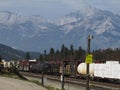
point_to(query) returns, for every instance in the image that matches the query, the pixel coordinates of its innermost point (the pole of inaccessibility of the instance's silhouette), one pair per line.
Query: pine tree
(41, 57)
(45, 56)
(71, 52)
(27, 57)
(52, 52)
(62, 52)
(57, 55)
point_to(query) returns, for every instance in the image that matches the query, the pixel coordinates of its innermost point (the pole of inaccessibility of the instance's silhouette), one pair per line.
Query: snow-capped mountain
(82, 14)
(22, 31)
(103, 25)
(34, 33)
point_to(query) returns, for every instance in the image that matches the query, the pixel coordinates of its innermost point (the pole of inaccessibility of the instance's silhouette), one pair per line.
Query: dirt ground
(15, 84)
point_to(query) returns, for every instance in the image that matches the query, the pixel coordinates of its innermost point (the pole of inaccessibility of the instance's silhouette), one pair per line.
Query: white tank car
(110, 69)
(82, 68)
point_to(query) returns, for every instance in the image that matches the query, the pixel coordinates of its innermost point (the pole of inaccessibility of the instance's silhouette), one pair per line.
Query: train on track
(100, 70)
(51, 67)
(104, 71)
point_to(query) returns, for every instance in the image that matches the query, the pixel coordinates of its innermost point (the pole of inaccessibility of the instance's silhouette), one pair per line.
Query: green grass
(46, 86)
(52, 88)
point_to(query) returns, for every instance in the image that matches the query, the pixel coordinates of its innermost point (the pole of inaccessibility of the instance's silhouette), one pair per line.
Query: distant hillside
(9, 53)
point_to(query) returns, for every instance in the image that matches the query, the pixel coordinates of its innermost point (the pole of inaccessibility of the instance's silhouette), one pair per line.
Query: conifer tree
(27, 57)
(52, 52)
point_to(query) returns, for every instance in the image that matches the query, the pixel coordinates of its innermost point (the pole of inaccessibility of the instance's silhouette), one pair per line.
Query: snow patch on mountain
(36, 33)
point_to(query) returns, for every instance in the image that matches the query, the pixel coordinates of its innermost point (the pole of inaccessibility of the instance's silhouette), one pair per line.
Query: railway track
(93, 84)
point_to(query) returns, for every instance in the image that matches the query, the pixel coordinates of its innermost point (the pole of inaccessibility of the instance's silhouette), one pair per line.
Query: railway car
(109, 71)
(40, 67)
(70, 67)
(1, 66)
(55, 67)
(24, 65)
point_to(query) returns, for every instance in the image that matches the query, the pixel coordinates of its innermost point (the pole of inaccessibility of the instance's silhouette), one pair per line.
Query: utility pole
(43, 68)
(87, 69)
(43, 77)
(62, 77)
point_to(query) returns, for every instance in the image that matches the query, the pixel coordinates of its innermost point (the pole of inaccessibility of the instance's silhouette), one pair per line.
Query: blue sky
(54, 9)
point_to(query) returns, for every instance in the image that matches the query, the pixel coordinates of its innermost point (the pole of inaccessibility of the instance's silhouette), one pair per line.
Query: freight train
(100, 70)
(51, 67)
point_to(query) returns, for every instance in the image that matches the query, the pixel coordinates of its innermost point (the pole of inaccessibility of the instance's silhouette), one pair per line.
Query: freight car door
(72, 68)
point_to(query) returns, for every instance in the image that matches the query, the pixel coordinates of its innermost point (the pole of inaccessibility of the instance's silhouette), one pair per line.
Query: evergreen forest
(70, 53)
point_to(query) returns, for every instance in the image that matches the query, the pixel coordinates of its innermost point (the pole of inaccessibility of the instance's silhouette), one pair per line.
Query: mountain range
(35, 33)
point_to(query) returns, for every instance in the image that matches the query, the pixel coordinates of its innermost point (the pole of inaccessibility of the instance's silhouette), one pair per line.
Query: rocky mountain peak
(35, 33)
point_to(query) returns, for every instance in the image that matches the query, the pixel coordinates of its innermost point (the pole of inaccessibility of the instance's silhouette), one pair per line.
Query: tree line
(107, 54)
(70, 53)
(64, 53)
